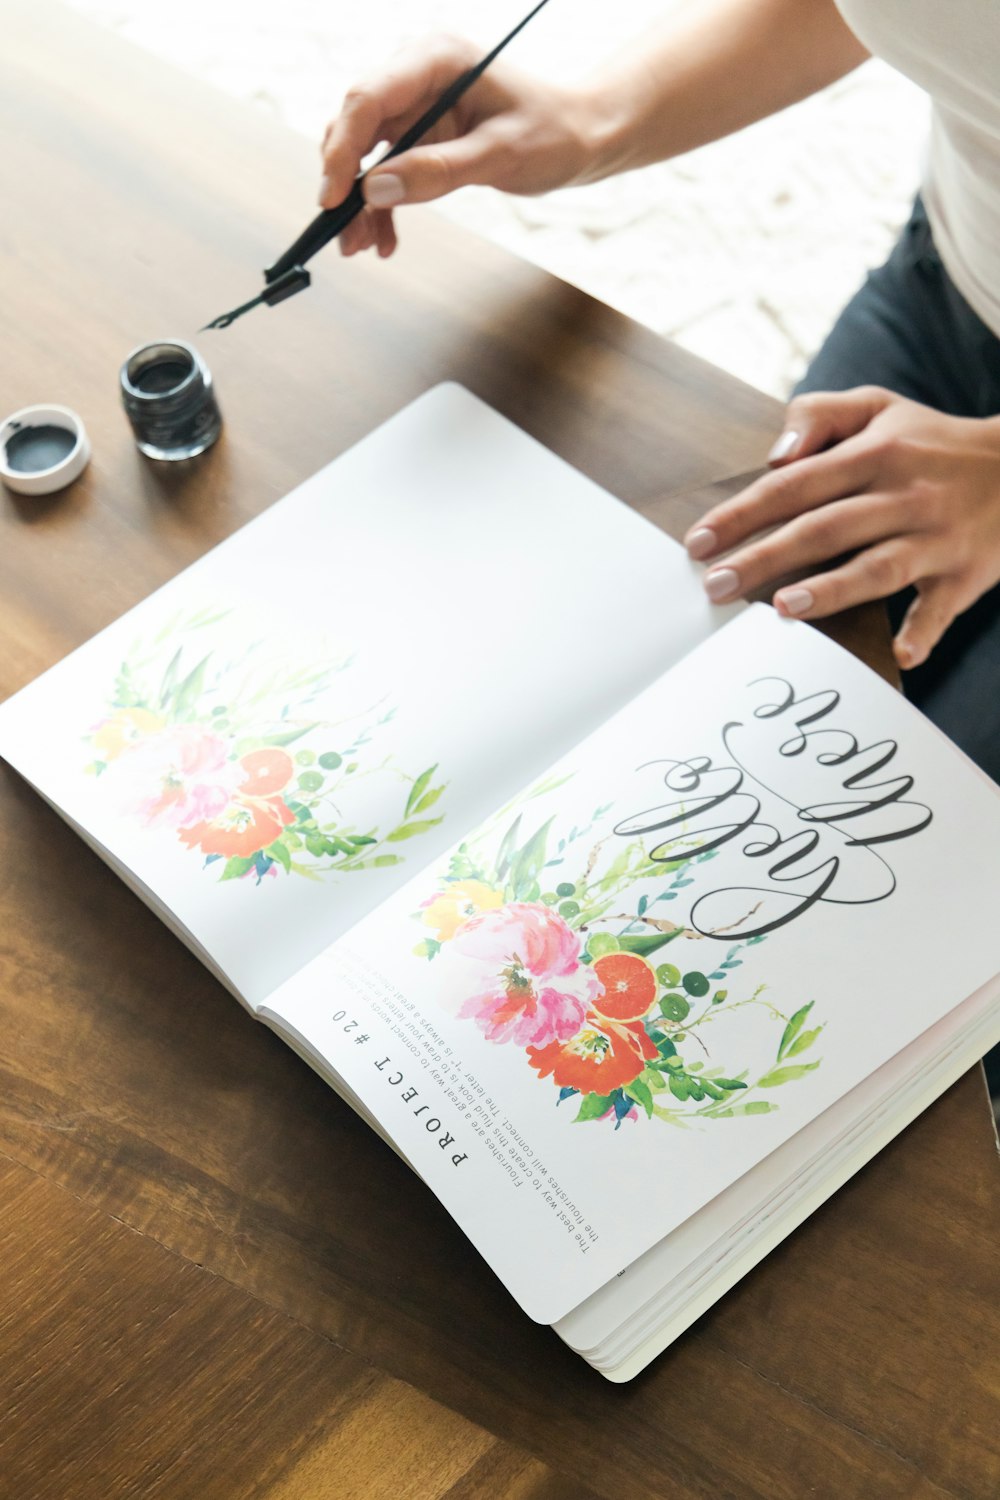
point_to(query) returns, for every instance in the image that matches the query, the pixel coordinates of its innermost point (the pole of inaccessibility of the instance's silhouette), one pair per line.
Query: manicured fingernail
(785, 446)
(796, 601)
(701, 542)
(722, 584)
(384, 191)
(324, 191)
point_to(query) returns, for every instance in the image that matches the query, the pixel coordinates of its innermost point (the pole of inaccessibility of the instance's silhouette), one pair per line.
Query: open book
(634, 925)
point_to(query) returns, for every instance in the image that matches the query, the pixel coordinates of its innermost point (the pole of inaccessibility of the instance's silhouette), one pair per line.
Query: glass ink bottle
(169, 399)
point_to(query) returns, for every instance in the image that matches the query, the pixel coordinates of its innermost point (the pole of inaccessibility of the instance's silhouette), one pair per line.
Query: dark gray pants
(909, 329)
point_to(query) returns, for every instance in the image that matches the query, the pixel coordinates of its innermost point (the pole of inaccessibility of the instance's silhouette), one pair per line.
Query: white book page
(809, 873)
(272, 742)
(723, 1239)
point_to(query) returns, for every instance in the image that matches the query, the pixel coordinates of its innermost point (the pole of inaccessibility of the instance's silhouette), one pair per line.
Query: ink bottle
(169, 399)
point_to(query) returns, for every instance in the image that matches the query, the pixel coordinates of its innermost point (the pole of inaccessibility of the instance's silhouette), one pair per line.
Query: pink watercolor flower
(522, 965)
(176, 778)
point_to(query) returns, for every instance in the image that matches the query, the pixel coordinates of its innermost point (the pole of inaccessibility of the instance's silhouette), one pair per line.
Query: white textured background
(743, 251)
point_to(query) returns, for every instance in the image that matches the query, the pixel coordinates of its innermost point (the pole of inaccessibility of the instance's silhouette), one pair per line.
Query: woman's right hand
(507, 131)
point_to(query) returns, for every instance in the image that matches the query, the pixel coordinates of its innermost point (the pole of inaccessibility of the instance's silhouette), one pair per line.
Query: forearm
(700, 78)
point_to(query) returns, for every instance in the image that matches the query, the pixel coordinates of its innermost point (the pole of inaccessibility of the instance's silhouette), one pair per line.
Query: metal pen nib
(295, 279)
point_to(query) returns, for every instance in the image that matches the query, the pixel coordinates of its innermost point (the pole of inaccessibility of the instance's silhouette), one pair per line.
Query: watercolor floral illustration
(234, 755)
(541, 955)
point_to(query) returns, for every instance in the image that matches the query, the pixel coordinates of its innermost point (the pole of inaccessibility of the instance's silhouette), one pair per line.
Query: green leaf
(526, 864)
(653, 1079)
(235, 868)
(190, 690)
(696, 984)
(644, 946)
(287, 736)
(305, 758)
(169, 678)
(593, 1106)
(381, 861)
(678, 1086)
(278, 851)
(428, 948)
(316, 845)
(507, 847)
(804, 1040)
(311, 781)
(671, 1117)
(675, 1007)
(431, 797)
(601, 943)
(729, 1084)
(418, 789)
(566, 889)
(719, 996)
(411, 830)
(568, 909)
(669, 975)
(330, 760)
(793, 1028)
(640, 1092)
(359, 840)
(751, 1107)
(778, 1076)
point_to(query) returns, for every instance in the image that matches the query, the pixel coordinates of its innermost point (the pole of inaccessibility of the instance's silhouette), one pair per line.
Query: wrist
(604, 123)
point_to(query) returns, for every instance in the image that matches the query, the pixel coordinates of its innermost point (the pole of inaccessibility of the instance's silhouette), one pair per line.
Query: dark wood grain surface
(217, 1281)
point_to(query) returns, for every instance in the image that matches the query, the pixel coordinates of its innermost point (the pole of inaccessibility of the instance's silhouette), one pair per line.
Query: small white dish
(42, 449)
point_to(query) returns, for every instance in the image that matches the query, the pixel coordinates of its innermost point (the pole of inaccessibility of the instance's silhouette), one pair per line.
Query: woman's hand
(911, 495)
(506, 131)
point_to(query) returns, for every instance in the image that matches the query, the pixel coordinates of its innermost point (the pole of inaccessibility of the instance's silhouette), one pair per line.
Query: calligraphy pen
(288, 275)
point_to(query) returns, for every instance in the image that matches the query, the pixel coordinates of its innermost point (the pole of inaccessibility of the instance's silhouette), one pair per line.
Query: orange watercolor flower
(603, 1056)
(267, 772)
(629, 986)
(242, 829)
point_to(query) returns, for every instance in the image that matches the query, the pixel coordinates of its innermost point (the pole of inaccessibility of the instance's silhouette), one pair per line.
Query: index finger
(780, 495)
(394, 98)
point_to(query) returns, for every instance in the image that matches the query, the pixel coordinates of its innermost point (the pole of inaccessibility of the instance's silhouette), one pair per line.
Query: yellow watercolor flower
(462, 899)
(123, 730)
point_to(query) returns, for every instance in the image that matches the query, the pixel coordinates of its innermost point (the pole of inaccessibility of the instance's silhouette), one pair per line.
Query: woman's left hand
(911, 495)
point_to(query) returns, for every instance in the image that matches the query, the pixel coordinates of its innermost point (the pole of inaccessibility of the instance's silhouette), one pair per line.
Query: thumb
(427, 172)
(823, 418)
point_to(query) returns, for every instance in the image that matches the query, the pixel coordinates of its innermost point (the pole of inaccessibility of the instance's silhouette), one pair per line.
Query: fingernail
(701, 542)
(785, 446)
(384, 191)
(324, 190)
(722, 584)
(796, 601)
(905, 655)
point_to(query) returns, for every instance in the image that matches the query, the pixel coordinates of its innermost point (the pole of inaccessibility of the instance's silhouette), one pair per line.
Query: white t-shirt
(951, 48)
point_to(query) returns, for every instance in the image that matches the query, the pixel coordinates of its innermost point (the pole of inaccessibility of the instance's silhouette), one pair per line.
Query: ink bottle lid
(42, 449)
(169, 399)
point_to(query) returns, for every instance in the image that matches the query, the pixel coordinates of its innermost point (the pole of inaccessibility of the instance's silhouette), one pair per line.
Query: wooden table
(216, 1281)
